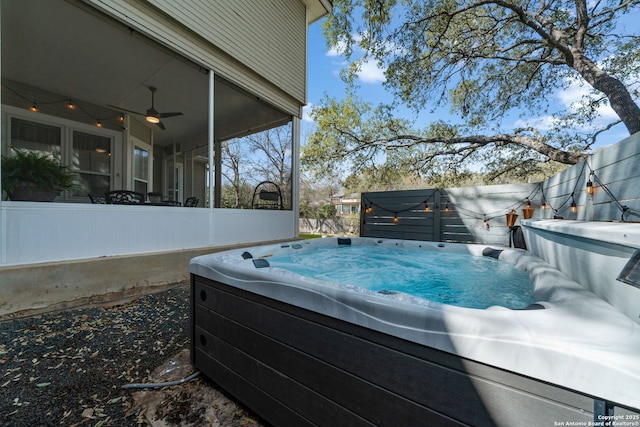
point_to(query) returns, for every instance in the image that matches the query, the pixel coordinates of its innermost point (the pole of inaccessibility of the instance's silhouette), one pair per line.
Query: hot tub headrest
(493, 253)
(344, 241)
(534, 306)
(261, 263)
(246, 255)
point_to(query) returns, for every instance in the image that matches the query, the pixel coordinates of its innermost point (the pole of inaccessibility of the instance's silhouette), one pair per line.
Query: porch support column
(218, 182)
(213, 159)
(215, 151)
(295, 175)
(212, 168)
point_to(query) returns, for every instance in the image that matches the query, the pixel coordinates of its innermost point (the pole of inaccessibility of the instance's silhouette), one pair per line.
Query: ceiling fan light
(152, 119)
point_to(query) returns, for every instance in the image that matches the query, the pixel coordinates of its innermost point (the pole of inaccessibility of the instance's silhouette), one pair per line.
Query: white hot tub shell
(573, 340)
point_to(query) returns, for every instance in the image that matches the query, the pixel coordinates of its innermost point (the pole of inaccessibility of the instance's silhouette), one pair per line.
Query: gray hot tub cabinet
(295, 367)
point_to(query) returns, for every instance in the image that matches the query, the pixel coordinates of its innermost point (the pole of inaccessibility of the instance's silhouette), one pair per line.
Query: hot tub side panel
(592, 254)
(298, 367)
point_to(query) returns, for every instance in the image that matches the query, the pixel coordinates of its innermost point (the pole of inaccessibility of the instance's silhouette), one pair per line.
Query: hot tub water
(457, 279)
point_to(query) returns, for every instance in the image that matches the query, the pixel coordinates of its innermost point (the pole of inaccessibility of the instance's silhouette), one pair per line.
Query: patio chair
(191, 202)
(267, 195)
(96, 199)
(154, 197)
(124, 197)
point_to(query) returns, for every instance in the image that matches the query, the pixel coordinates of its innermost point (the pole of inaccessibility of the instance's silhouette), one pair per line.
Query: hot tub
(299, 351)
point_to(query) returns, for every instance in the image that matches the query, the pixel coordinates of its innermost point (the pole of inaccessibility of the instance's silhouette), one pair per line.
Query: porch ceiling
(60, 47)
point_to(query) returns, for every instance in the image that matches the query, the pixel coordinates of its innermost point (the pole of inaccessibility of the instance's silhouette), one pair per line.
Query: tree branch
(469, 143)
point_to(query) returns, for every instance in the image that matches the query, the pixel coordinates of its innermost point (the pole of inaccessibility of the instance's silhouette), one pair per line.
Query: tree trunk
(619, 97)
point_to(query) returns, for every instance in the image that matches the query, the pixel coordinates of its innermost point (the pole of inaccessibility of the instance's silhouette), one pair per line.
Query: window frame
(67, 127)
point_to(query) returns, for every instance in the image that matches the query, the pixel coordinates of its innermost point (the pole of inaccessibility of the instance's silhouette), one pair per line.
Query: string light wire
(486, 217)
(71, 104)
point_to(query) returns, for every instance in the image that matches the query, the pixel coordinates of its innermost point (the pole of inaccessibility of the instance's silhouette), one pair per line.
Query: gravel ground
(67, 368)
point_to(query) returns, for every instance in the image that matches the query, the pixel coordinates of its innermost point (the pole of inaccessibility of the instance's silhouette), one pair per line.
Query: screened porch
(125, 112)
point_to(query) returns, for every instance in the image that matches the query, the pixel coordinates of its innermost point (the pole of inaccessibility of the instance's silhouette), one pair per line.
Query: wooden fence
(468, 214)
(478, 214)
(614, 173)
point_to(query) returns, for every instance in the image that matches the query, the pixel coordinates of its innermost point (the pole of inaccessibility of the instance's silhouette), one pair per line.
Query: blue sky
(323, 77)
(323, 73)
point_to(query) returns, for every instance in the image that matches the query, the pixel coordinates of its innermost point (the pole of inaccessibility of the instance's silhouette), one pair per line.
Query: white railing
(50, 232)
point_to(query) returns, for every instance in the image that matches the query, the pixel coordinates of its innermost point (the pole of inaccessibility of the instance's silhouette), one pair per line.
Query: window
(38, 137)
(141, 167)
(91, 159)
(86, 152)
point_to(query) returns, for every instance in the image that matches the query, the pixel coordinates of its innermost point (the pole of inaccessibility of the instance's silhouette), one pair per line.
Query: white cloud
(306, 113)
(370, 72)
(541, 123)
(336, 50)
(576, 93)
(570, 98)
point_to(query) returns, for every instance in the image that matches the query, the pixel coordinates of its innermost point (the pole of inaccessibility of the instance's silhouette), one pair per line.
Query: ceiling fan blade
(124, 109)
(165, 115)
(161, 126)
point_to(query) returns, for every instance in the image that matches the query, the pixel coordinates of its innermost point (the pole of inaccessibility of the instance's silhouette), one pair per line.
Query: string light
(591, 184)
(590, 188)
(623, 208)
(70, 104)
(425, 206)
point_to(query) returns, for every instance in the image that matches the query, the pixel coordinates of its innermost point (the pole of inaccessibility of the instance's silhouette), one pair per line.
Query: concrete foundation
(27, 290)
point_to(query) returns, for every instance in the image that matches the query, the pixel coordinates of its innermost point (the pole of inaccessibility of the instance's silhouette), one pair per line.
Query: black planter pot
(29, 193)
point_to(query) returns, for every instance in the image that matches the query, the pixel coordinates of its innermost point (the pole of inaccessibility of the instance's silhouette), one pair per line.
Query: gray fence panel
(465, 215)
(477, 214)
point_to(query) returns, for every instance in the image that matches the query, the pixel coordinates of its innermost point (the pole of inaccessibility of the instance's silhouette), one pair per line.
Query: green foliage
(484, 60)
(37, 169)
(327, 211)
(373, 156)
(307, 236)
(349, 128)
(237, 198)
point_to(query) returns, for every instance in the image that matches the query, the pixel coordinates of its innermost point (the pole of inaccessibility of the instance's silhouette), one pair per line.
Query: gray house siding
(210, 32)
(261, 35)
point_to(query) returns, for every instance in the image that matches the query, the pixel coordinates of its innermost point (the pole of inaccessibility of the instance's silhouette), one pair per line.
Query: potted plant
(30, 176)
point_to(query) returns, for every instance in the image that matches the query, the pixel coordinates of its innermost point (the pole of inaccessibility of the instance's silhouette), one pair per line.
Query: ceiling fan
(152, 115)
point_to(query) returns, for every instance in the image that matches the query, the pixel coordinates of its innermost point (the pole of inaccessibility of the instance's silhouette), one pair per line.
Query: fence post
(436, 217)
(362, 214)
